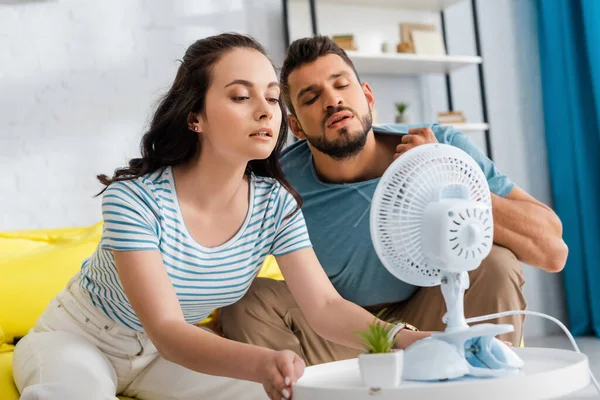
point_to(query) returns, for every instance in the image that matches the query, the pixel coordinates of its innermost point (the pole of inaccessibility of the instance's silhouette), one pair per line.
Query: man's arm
(530, 229)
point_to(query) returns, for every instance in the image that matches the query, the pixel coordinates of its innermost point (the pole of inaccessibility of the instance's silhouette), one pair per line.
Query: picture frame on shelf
(451, 117)
(345, 41)
(406, 30)
(428, 42)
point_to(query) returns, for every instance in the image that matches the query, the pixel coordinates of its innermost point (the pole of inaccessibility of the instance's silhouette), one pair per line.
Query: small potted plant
(401, 116)
(381, 365)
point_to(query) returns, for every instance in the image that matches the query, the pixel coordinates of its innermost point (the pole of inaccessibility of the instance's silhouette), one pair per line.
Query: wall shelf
(421, 5)
(473, 127)
(409, 64)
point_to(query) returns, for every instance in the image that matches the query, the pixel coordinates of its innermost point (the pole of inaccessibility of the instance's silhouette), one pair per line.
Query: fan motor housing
(456, 234)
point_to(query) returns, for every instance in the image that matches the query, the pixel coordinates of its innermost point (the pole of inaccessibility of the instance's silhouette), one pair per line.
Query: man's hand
(415, 137)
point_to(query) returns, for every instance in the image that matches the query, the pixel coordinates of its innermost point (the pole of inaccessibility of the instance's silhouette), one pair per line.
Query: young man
(336, 167)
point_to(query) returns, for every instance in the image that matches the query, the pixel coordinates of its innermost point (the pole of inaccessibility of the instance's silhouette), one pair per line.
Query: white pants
(75, 352)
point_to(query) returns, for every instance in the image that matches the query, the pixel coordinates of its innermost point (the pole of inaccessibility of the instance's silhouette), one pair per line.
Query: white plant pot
(381, 370)
(401, 119)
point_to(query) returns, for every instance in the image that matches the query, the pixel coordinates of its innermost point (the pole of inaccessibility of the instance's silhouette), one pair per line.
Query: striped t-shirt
(144, 214)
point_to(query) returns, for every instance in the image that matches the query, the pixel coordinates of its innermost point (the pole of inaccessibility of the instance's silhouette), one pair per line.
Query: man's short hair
(304, 51)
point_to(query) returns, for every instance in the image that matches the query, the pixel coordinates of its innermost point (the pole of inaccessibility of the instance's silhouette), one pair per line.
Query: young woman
(186, 229)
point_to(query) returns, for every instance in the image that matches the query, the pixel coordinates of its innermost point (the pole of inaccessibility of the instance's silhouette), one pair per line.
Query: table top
(547, 374)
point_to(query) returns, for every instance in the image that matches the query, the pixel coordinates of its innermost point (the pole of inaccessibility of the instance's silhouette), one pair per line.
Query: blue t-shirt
(337, 218)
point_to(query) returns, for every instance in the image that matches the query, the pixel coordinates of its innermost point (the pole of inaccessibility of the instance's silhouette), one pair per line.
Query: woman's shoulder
(265, 181)
(148, 188)
(150, 180)
(265, 187)
(268, 186)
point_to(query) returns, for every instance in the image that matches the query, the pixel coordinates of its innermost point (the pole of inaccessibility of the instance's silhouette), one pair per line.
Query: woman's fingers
(291, 368)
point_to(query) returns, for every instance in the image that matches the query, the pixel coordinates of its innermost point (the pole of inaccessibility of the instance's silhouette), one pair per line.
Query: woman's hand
(280, 370)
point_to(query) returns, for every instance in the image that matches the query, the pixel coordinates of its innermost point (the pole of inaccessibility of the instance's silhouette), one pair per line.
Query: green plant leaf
(376, 338)
(401, 107)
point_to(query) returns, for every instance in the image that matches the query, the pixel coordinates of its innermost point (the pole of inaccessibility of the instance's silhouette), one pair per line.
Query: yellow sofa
(35, 266)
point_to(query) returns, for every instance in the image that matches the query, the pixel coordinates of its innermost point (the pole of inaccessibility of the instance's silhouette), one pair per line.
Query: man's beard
(348, 144)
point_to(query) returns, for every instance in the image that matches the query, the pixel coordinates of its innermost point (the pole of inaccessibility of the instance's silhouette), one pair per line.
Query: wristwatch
(399, 326)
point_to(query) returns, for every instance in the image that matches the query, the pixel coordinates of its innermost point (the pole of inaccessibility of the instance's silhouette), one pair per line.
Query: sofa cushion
(35, 267)
(8, 391)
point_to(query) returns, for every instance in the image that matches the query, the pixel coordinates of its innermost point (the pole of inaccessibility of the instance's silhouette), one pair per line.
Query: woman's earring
(196, 128)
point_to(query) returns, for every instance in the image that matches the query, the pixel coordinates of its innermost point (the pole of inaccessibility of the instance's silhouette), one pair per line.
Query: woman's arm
(330, 315)
(155, 303)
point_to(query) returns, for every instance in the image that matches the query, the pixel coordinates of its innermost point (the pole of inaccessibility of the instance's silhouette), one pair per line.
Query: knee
(61, 365)
(500, 272)
(50, 391)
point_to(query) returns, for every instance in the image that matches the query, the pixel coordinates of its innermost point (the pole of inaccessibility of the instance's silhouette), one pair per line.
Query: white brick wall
(78, 82)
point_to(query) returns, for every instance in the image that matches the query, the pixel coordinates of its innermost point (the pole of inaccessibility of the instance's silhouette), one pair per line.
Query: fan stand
(443, 356)
(453, 287)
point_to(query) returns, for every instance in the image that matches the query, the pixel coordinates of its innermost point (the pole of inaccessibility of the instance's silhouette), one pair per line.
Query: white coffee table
(547, 374)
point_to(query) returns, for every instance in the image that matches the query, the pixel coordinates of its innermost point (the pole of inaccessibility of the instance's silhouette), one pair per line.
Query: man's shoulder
(443, 134)
(294, 156)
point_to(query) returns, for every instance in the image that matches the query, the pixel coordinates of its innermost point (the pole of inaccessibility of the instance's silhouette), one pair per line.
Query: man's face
(333, 110)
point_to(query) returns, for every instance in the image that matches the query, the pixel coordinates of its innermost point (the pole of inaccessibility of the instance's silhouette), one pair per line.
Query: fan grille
(404, 191)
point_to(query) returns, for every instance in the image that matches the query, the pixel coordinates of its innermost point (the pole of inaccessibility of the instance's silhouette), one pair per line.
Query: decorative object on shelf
(451, 117)
(401, 117)
(405, 47)
(346, 42)
(386, 47)
(428, 42)
(381, 366)
(406, 33)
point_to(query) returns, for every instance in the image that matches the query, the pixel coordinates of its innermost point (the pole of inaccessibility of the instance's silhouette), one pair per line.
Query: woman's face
(242, 117)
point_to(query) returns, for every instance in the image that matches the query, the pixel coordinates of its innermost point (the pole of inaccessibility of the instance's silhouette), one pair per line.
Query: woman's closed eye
(240, 99)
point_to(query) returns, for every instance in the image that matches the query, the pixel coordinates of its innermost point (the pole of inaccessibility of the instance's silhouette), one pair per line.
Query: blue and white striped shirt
(144, 214)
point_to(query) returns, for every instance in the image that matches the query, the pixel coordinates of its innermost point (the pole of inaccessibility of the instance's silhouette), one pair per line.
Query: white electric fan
(431, 223)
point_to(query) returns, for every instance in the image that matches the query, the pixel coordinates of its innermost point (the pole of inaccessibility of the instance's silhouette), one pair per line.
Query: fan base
(472, 351)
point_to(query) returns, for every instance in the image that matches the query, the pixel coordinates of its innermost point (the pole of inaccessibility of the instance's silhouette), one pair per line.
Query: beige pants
(75, 352)
(268, 316)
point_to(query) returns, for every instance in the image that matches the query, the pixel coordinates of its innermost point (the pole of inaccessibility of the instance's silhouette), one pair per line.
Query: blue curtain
(569, 42)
